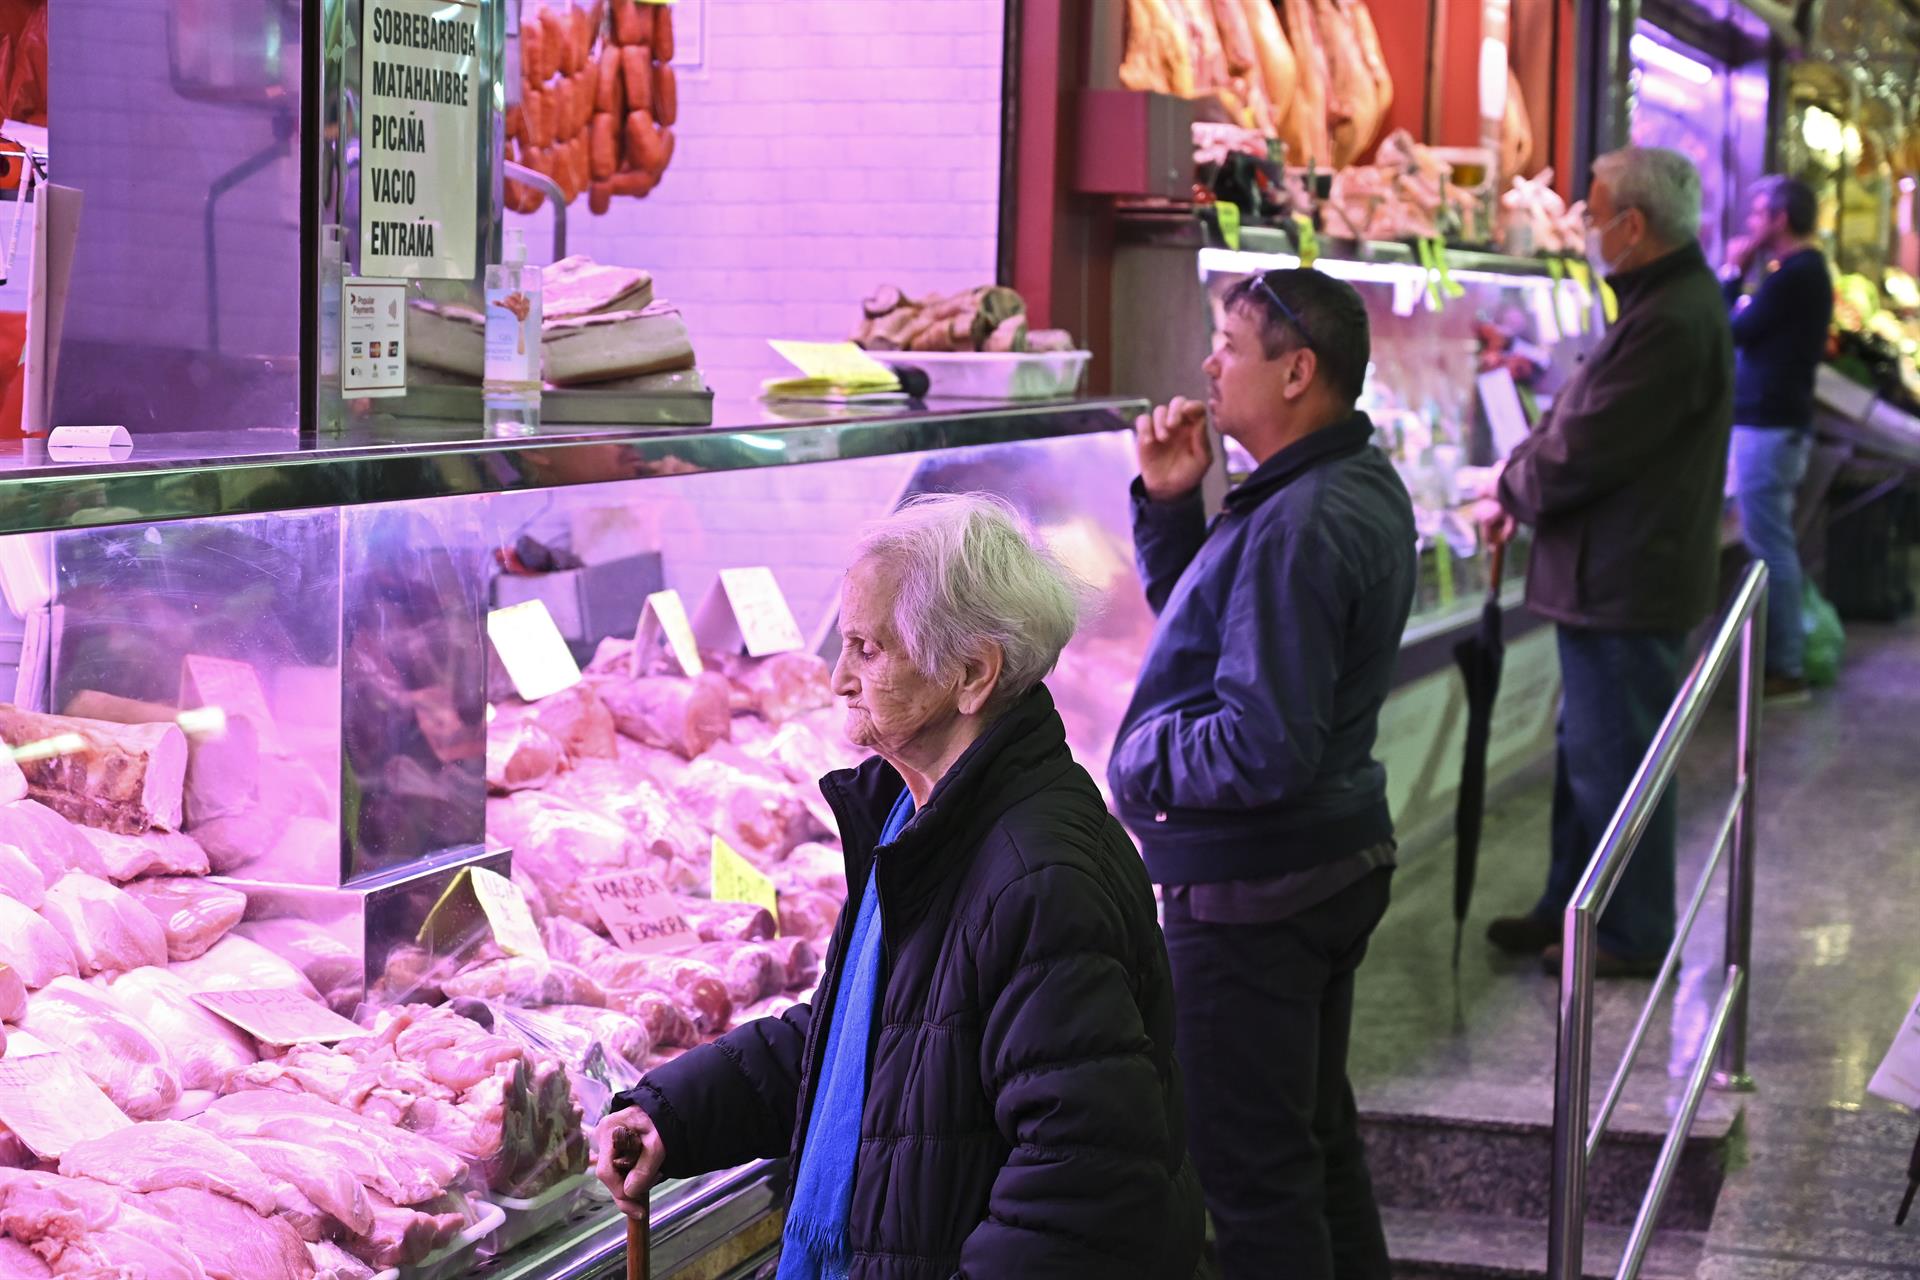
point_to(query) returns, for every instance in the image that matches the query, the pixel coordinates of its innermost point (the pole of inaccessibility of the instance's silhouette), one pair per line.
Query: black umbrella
(1479, 657)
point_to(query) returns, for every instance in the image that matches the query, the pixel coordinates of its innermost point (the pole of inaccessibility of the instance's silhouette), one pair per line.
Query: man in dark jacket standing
(983, 1085)
(1779, 338)
(1624, 485)
(1245, 763)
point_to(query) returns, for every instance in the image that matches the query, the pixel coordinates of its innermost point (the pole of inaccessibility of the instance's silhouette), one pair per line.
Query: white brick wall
(825, 147)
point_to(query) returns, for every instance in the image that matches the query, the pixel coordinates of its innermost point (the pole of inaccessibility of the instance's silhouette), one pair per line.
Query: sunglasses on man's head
(1292, 317)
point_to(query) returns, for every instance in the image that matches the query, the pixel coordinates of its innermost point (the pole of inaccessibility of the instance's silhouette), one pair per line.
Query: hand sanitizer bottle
(512, 386)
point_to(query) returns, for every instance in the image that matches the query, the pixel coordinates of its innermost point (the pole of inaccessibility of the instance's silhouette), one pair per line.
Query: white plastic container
(995, 375)
(453, 1261)
(525, 1219)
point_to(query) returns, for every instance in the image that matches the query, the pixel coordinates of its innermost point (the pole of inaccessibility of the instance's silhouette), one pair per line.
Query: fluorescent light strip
(1242, 262)
(1655, 54)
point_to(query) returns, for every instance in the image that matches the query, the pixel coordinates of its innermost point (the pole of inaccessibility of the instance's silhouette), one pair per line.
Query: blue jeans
(1767, 465)
(1616, 687)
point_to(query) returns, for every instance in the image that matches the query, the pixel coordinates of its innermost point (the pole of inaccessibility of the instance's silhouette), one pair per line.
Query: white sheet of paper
(1898, 1079)
(532, 650)
(1505, 414)
(50, 1103)
(280, 1017)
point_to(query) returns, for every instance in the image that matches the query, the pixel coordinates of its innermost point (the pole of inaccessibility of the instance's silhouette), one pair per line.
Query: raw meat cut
(123, 777)
(162, 1154)
(13, 783)
(623, 1036)
(20, 879)
(522, 756)
(126, 1060)
(323, 1179)
(235, 964)
(89, 1230)
(150, 853)
(13, 1000)
(523, 981)
(403, 1167)
(1354, 109)
(750, 806)
(455, 1051)
(667, 1024)
(17, 1262)
(328, 962)
(728, 921)
(1305, 128)
(812, 866)
(402, 1236)
(696, 986)
(751, 971)
(109, 931)
(192, 913)
(205, 1047)
(231, 1241)
(637, 801)
(31, 947)
(50, 842)
(671, 712)
(223, 752)
(780, 687)
(561, 845)
(574, 718)
(331, 1262)
(802, 960)
(809, 914)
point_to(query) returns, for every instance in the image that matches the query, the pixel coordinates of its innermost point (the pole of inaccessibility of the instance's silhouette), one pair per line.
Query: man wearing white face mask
(1623, 486)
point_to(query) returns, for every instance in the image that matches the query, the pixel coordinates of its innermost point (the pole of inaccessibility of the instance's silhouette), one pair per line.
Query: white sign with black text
(421, 90)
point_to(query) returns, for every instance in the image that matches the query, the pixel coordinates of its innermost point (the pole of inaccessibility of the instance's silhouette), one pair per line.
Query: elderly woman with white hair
(984, 1084)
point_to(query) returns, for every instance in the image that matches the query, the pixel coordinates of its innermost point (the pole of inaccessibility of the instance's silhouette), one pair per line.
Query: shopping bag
(1826, 639)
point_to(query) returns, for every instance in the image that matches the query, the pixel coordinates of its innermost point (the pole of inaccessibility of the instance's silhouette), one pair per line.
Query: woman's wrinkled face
(890, 704)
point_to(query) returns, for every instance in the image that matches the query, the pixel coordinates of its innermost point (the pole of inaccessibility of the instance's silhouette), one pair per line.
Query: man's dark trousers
(1616, 688)
(1263, 1017)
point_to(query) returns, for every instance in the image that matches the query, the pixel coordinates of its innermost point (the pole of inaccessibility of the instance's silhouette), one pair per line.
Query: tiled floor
(1836, 962)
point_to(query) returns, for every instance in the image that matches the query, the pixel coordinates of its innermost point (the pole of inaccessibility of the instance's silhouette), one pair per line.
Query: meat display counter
(1463, 360)
(265, 744)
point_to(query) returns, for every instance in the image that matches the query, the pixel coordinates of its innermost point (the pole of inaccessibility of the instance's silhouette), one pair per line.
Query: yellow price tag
(507, 912)
(665, 615)
(734, 879)
(1228, 214)
(1447, 283)
(1423, 249)
(1609, 302)
(1306, 239)
(842, 364)
(1443, 564)
(1583, 280)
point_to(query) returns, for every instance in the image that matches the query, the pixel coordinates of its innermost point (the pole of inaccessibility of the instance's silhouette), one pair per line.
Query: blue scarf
(815, 1244)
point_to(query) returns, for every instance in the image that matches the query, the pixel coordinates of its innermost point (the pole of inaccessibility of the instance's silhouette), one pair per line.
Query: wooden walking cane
(637, 1233)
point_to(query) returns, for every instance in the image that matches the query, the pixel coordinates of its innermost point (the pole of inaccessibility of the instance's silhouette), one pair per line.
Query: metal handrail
(1741, 631)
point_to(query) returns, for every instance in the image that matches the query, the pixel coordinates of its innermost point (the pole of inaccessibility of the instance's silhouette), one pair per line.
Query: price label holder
(1423, 250)
(280, 1017)
(532, 650)
(48, 1101)
(640, 913)
(746, 607)
(481, 899)
(233, 689)
(1306, 240)
(664, 618)
(734, 879)
(1227, 214)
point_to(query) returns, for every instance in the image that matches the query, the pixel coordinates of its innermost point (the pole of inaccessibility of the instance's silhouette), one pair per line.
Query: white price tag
(664, 616)
(639, 912)
(532, 650)
(1898, 1079)
(47, 1100)
(422, 92)
(279, 1016)
(373, 322)
(747, 607)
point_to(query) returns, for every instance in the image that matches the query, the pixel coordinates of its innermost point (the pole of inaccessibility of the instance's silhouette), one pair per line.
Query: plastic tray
(526, 1219)
(455, 1259)
(994, 375)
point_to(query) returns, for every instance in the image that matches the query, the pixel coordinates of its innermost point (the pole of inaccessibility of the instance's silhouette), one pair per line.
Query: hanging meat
(1277, 71)
(1305, 131)
(1516, 131)
(1353, 98)
(1157, 58)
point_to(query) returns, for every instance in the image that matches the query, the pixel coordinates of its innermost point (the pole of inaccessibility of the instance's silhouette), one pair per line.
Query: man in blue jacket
(1245, 763)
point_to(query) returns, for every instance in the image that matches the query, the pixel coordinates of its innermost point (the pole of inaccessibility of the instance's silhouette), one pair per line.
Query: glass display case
(313, 620)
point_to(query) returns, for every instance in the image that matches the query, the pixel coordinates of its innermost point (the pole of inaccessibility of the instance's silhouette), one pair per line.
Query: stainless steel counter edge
(183, 477)
(709, 1215)
(1186, 231)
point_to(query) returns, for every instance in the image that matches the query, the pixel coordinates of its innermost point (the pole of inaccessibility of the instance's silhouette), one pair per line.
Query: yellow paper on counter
(838, 367)
(734, 879)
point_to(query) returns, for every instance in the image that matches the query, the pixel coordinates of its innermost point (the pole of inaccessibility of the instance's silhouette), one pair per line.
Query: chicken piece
(323, 1179)
(20, 878)
(150, 853)
(163, 1154)
(19, 1262)
(670, 712)
(13, 1000)
(522, 756)
(754, 810)
(87, 1229)
(49, 841)
(193, 914)
(127, 1061)
(236, 964)
(31, 947)
(784, 685)
(403, 1235)
(231, 1241)
(107, 930)
(403, 1167)
(205, 1048)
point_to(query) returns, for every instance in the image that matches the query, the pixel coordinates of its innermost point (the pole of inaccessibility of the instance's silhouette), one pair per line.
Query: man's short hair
(1306, 308)
(1791, 197)
(1663, 185)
